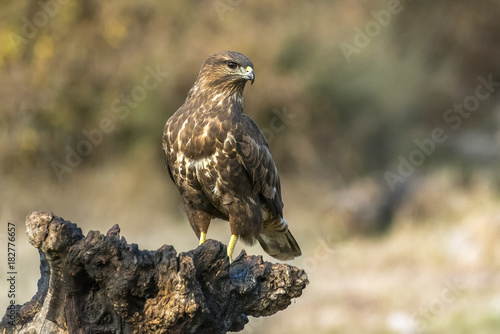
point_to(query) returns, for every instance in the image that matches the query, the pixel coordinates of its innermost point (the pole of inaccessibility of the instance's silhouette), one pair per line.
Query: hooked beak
(249, 74)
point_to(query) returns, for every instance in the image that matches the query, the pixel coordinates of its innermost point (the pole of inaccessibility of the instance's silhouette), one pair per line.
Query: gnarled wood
(101, 284)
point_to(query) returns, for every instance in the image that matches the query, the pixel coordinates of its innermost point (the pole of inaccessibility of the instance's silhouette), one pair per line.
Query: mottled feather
(220, 161)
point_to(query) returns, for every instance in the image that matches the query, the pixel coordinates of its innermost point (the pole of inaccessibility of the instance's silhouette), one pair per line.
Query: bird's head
(228, 70)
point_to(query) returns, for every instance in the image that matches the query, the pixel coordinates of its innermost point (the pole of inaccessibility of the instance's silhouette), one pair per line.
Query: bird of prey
(220, 161)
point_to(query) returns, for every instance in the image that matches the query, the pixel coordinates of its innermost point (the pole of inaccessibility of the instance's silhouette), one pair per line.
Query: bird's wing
(166, 149)
(254, 155)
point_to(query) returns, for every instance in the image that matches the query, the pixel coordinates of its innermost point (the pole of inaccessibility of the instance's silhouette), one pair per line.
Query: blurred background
(383, 118)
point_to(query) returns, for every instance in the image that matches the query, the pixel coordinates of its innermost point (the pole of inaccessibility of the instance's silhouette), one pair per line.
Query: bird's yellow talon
(230, 247)
(203, 236)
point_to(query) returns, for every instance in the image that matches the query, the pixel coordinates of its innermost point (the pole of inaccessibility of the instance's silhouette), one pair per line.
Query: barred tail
(280, 245)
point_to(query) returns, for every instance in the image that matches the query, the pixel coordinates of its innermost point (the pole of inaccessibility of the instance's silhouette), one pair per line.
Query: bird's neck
(217, 95)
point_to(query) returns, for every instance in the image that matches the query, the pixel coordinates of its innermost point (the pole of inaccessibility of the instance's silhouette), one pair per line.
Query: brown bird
(220, 161)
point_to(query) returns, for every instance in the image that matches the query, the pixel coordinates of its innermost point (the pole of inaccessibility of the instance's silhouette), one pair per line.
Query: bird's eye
(231, 64)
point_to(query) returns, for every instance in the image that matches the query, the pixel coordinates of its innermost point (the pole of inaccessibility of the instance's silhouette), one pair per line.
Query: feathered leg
(199, 220)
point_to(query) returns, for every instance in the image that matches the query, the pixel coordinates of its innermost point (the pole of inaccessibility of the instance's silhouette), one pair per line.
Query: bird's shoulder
(247, 130)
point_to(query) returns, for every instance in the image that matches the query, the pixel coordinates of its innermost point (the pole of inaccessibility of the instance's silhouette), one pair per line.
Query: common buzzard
(220, 161)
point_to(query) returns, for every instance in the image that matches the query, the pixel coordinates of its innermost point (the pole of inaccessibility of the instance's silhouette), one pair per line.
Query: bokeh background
(382, 116)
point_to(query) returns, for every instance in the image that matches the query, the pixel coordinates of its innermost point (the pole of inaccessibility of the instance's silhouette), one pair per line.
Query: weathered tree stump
(101, 284)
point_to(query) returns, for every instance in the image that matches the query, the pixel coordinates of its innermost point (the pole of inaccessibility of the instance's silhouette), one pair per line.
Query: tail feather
(280, 245)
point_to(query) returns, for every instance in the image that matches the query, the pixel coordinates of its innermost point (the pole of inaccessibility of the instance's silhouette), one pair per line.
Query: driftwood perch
(101, 284)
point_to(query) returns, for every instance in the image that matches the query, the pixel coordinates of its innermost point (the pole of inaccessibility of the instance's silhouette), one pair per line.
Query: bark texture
(101, 284)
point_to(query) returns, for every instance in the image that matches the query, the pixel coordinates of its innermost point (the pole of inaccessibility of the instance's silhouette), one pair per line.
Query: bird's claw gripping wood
(230, 246)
